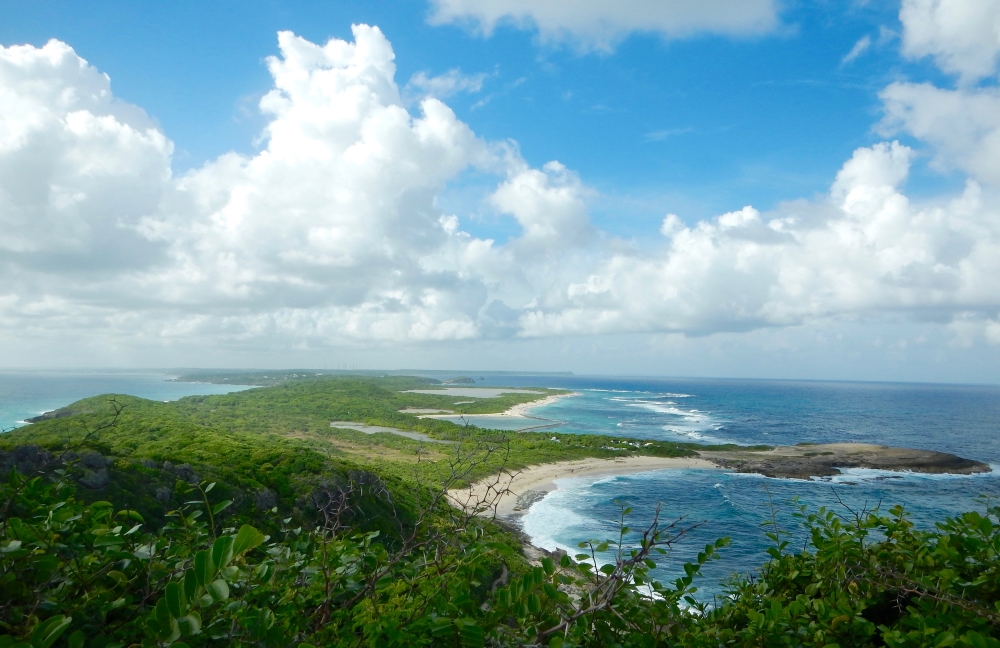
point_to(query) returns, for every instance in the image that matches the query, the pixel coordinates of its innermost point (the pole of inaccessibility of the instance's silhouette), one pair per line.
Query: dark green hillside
(276, 442)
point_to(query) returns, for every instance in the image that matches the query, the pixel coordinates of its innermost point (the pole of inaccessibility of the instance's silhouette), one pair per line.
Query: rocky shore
(823, 460)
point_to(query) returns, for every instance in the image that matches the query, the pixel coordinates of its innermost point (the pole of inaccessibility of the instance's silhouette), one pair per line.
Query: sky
(740, 188)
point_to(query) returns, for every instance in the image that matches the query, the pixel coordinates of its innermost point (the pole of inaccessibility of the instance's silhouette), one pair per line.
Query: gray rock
(187, 473)
(94, 461)
(94, 479)
(265, 499)
(164, 494)
(26, 459)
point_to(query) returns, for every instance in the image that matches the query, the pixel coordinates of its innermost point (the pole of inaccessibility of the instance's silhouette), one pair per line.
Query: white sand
(541, 479)
(521, 410)
(471, 392)
(517, 411)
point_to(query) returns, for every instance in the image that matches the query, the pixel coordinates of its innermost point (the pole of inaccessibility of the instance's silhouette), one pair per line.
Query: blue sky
(646, 123)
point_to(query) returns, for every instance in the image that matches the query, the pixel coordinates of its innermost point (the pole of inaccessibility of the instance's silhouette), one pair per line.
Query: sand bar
(529, 484)
(519, 411)
(471, 392)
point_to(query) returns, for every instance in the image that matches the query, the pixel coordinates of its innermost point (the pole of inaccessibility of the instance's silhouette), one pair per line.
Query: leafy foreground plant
(89, 576)
(868, 580)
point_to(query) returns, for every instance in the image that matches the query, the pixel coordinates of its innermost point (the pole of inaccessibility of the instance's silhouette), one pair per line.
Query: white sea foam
(849, 476)
(871, 474)
(555, 513)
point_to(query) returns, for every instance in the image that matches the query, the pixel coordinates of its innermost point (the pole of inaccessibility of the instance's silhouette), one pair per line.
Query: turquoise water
(963, 420)
(24, 394)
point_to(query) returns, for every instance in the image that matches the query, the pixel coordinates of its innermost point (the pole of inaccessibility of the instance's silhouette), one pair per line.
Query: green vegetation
(244, 519)
(278, 439)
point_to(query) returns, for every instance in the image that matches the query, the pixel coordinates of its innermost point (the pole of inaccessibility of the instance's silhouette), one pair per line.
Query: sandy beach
(528, 485)
(519, 411)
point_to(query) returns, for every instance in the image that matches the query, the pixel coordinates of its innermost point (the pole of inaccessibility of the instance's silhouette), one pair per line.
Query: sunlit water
(964, 420)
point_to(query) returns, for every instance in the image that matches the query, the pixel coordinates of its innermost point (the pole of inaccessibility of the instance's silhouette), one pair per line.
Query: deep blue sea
(24, 394)
(964, 420)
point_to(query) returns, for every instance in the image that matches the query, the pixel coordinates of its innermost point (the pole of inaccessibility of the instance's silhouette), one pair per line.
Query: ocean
(960, 419)
(25, 394)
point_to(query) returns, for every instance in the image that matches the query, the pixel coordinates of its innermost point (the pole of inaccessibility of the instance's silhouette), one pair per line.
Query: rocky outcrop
(26, 459)
(89, 469)
(95, 470)
(806, 461)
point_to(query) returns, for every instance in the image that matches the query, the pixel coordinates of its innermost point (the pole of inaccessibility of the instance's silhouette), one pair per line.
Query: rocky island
(823, 460)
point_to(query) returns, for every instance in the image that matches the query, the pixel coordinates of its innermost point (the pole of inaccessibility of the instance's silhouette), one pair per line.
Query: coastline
(525, 487)
(519, 411)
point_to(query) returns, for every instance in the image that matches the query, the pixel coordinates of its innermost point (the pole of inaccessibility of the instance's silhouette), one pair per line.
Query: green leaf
(174, 596)
(76, 639)
(220, 507)
(118, 577)
(219, 590)
(162, 614)
(247, 538)
(472, 634)
(190, 624)
(190, 585)
(222, 552)
(204, 567)
(7, 641)
(46, 632)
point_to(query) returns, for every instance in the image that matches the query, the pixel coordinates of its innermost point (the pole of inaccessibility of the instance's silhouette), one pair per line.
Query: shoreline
(519, 411)
(525, 487)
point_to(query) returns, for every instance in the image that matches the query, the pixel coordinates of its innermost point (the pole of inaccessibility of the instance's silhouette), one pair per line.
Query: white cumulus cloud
(332, 233)
(962, 125)
(963, 36)
(864, 250)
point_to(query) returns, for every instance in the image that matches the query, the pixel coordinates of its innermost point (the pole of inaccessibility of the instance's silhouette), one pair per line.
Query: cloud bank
(332, 233)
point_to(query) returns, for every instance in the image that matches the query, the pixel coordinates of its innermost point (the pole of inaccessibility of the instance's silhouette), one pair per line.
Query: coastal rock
(826, 460)
(54, 414)
(94, 479)
(164, 494)
(184, 472)
(265, 499)
(26, 459)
